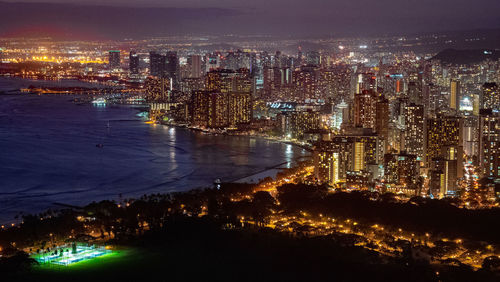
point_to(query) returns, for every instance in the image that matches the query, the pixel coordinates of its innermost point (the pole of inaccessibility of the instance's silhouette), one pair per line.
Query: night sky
(131, 18)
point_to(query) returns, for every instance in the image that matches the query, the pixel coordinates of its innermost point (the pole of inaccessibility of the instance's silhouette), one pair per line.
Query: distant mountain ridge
(466, 57)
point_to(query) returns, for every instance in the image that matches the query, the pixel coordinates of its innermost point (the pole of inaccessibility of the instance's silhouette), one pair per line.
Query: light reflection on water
(289, 155)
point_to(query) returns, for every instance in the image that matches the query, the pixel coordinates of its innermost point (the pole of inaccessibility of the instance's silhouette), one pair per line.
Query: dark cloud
(126, 18)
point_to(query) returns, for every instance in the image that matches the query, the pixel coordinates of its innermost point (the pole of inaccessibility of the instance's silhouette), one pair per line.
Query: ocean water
(48, 153)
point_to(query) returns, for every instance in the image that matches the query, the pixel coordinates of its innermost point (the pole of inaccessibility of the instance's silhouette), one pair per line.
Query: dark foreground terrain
(197, 249)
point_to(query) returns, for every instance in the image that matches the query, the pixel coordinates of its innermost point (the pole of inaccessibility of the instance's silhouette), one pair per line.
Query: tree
(263, 204)
(20, 262)
(491, 263)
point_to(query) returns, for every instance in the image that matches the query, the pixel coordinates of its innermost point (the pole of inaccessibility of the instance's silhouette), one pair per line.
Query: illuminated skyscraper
(200, 104)
(172, 68)
(188, 85)
(414, 133)
(240, 108)
(359, 156)
(133, 62)
(158, 89)
(212, 62)
(332, 160)
(299, 57)
(366, 81)
(243, 81)
(196, 64)
(334, 84)
(471, 136)
(491, 97)
(156, 64)
(489, 143)
(382, 117)
(304, 81)
(114, 59)
(446, 170)
(226, 81)
(401, 169)
(340, 115)
(228, 99)
(365, 109)
(415, 94)
(313, 58)
(218, 110)
(345, 156)
(220, 80)
(297, 123)
(455, 94)
(476, 104)
(442, 131)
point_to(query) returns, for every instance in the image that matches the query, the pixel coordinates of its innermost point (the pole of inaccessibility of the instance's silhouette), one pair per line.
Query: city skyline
(269, 140)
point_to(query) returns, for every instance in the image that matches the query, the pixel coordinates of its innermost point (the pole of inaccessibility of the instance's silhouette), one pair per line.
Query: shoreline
(266, 138)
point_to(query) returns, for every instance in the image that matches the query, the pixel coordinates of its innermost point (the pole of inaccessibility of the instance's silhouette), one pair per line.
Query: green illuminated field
(79, 253)
(87, 263)
(93, 264)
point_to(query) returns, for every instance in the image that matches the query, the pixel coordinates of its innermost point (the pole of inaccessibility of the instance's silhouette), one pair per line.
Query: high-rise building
(327, 166)
(359, 156)
(304, 81)
(200, 108)
(340, 115)
(313, 58)
(415, 94)
(158, 89)
(157, 64)
(243, 81)
(188, 85)
(366, 81)
(476, 104)
(218, 110)
(227, 98)
(114, 59)
(172, 68)
(491, 97)
(196, 67)
(220, 80)
(296, 124)
(345, 156)
(212, 62)
(221, 110)
(382, 123)
(133, 62)
(240, 108)
(401, 169)
(382, 117)
(455, 95)
(334, 84)
(414, 133)
(470, 136)
(442, 131)
(444, 154)
(489, 143)
(365, 109)
(299, 57)
(446, 170)
(226, 81)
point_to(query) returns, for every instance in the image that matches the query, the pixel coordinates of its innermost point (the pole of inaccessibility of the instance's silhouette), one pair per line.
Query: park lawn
(122, 263)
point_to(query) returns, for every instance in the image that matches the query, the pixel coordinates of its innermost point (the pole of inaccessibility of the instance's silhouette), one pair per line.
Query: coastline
(306, 147)
(277, 167)
(162, 167)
